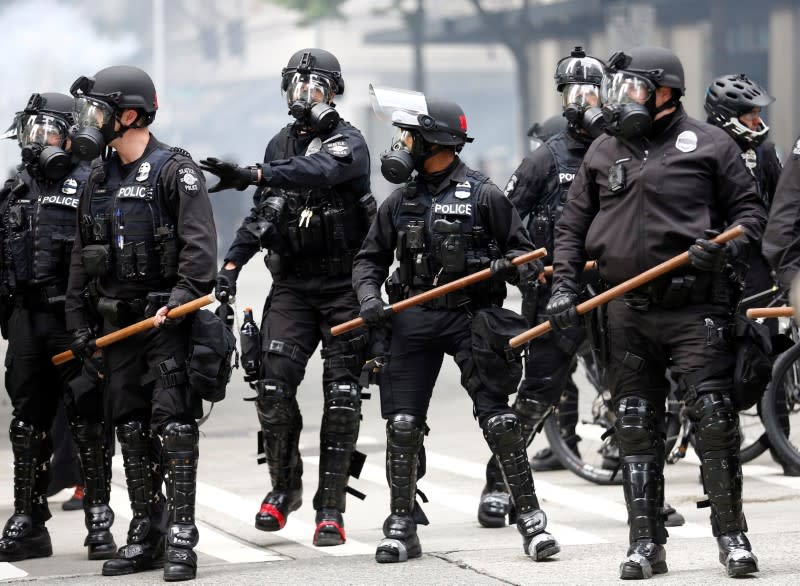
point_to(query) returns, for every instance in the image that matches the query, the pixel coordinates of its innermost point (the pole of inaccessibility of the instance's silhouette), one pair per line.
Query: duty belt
(331, 266)
(40, 298)
(672, 293)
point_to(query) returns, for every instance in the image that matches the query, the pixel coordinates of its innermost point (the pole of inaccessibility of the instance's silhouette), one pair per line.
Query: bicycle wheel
(754, 437)
(780, 407)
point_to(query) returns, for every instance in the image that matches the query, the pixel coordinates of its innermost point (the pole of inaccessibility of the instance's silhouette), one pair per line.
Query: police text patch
(188, 180)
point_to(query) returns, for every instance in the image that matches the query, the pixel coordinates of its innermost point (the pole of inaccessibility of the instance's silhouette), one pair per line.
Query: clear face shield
(623, 87)
(308, 88)
(584, 96)
(91, 113)
(42, 129)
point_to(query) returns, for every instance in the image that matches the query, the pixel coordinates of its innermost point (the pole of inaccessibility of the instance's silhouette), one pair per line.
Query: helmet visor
(91, 113)
(623, 87)
(41, 129)
(395, 105)
(309, 88)
(585, 95)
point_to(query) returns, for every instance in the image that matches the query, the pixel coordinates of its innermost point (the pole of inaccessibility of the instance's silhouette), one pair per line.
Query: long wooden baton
(439, 291)
(139, 326)
(589, 266)
(624, 287)
(762, 312)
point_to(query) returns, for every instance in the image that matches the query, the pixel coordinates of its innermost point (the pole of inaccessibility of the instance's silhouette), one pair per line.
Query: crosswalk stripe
(9, 571)
(772, 475)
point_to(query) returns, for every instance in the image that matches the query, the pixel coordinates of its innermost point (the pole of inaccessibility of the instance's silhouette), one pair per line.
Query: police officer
(444, 222)
(312, 210)
(146, 243)
(38, 211)
(538, 189)
(642, 195)
(781, 244)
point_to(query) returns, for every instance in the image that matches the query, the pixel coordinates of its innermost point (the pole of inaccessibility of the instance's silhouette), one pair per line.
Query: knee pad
(528, 409)
(180, 437)
(87, 432)
(276, 404)
(342, 410)
(716, 420)
(25, 438)
(405, 433)
(131, 432)
(637, 426)
(503, 433)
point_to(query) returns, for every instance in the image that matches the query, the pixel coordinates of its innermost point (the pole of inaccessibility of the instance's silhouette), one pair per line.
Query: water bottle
(250, 339)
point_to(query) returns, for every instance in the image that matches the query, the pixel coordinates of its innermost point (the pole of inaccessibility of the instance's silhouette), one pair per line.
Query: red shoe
(75, 502)
(330, 528)
(276, 508)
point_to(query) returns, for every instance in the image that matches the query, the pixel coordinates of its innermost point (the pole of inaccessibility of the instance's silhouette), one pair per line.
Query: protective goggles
(585, 95)
(92, 113)
(309, 88)
(624, 87)
(43, 129)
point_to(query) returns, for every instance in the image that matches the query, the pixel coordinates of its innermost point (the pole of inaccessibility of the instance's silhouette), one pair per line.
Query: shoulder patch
(188, 180)
(511, 185)
(180, 151)
(338, 148)
(796, 149)
(686, 141)
(313, 147)
(70, 186)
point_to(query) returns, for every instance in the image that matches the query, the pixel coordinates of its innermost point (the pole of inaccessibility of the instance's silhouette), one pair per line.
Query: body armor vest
(541, 223)
(128, 235)
(440, 239)
(39, 229)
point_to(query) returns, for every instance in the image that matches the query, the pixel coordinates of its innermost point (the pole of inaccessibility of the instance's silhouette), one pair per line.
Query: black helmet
(316, 61)
(444, 124)
(51, 102)
(122, 86)
(548, 128)
(661, 66)
(578, 68)
(731, 96)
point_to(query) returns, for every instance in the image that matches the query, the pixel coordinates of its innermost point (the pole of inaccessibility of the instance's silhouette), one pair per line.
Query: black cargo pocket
(22, 257)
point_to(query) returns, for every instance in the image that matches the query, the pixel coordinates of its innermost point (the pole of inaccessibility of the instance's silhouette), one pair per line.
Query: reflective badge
(686, 141)
(188, 180)
(750, 160)
(463, 190)
(69, 187)
(144, 172)
(339, 149)
(512, 183)
(314, 146)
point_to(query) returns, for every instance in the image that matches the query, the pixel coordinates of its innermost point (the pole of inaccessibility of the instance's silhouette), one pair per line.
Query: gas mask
(405, 155)
(581, 105)
(628, 104)
(41, 139)
(94, 128)
(309, 96)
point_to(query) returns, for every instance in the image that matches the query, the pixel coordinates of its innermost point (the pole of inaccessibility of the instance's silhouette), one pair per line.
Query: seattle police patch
(144, 172)
(796, 149)
(188, 180)
(512, 183)
(338, 148)
(69, 187)
(463, 190)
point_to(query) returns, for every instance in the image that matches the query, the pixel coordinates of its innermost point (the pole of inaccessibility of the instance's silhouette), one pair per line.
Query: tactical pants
(420, 338)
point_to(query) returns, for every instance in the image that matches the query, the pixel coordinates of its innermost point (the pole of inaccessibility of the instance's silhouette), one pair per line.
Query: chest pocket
(134, 220)
(19, 220)
(54, 235)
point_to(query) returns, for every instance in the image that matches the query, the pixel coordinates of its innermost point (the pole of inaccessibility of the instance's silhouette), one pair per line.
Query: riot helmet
(99, 102)
(540, 132)
(42, 131)
(309, 82)
(731, 97)
(423, 126)
(628, 91)
(578, 78)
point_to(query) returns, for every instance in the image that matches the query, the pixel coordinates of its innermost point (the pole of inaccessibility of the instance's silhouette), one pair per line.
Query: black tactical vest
(440, 239)
(39, 220)
(322, 228)
(127, 233)
(541, 223)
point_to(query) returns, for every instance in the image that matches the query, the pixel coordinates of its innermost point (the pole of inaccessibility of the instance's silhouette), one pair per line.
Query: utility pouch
(116, 312)
(168, 252)
(17, 217)
(96, 259)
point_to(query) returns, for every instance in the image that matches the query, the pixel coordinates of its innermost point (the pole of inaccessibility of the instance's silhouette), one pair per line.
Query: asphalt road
(588, 520)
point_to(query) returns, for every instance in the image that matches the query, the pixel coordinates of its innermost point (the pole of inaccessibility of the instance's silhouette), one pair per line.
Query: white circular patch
(189, 178)
(144, 171)
(686, 141)
(314, 146)
(69, 187)
(750, 159)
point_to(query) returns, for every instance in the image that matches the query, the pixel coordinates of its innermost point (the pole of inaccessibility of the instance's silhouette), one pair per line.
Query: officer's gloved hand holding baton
(83, 347)
(231, 175)
(373, 310)
(225, 291)
(710, 256)
(562, 308)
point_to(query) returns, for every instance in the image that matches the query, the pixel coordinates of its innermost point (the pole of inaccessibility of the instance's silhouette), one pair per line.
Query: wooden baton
(762, 312)
(440, 291)
(139, 326)
(589, 266)
(625, 287)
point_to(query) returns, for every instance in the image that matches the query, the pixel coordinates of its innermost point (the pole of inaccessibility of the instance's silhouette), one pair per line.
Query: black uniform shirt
(634, 205)
(292, 160)
(196, 234)
(499, 217)
(781, 244)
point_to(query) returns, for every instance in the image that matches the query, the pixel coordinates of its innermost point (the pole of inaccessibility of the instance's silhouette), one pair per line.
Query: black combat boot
(25, 535)
(504, 436)
(643, 484)
(495, 504)
(181, 451)
(96, 468)
(338, 435)
(145, 547)
(404, 439)
(281, 424)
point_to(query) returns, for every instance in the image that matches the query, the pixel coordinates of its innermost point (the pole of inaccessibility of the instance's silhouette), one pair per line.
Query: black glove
(373, 311)
(706, 255)
(231, 176)
(562, 309)
(225, 290)
(83, 347)
(502, 268)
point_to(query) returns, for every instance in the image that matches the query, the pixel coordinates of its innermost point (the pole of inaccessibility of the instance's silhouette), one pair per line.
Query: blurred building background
(217, 64)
